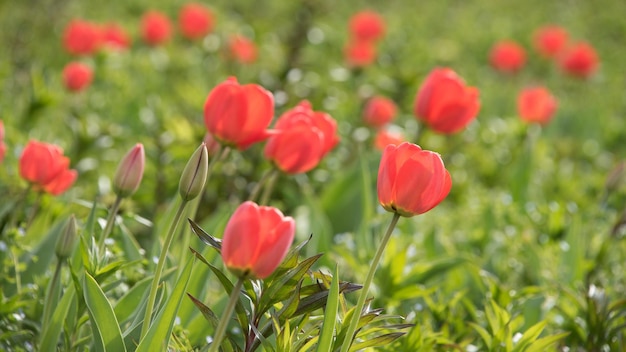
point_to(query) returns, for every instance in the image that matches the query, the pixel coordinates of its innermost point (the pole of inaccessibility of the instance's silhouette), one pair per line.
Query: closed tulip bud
(367, 26)
(256, 240)
(550, 40)
(579, 60)
(195, 174)
(129, 172)
(445, 103)
(411, 181)
(379, 111)
(156, 28)
(195, 21)
(507, 56)
(67, 240)
(46, 168)
(77, 76)
(536, 105)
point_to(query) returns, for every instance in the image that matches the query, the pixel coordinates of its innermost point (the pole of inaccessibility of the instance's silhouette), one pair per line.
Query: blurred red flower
(379, 111)
(550, 40)
(580, 60)
(156, 28)
(411, 181)
(238, 115)
(46, 168)
(303, 137)
(115, 37)
(507, 56)
(367, 25)
(256, 240)
(3, 147)
(360, 53)
(77, 76)
(536, 105)
(195, 21)
(385, 137)
(445, 103)
(81, 37)
(242, 49)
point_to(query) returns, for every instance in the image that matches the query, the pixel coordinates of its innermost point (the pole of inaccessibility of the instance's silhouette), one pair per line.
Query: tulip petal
(61, 183)
(413, 180)
(241, 237)
(274, 250)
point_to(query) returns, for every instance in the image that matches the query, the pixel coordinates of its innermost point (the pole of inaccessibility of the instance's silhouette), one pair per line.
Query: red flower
(81, 37)
(360, 53)
(156, 28)
(303, 137)
(507, 56)
(256, 240)
(445, 103)
(3, 147)
(130, 171)
(45, 166)
(536, 105)
(385, 137)
(115, 37)
(242, 49)
(238, 115)
(77, 76)
(379, 111)
(195, 21)
(367, 26)
(579, 60)
(550, 40)
(411, 181)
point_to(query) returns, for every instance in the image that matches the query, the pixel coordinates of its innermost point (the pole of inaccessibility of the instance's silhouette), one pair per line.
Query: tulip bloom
(3, 147)
(195, 21)
(238, 115)
(367, 26)
(549, 41)
(579, 60)
(115, 37)
(242, 49)
(379, 111)
(256, 240)
(411, 181)
(156, 28)
(77, 76)
(129, 171)
(507, 56)
(445, 103)
(303, 137)
(360, 53)
(536, 105)
(46, 168)
(81, 37)
(384, 138)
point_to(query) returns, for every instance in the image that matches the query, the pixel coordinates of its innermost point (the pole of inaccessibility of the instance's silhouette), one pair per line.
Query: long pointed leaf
(330, 315)
(103, 321)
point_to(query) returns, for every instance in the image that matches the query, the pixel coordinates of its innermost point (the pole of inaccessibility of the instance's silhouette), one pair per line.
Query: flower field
(312, 176)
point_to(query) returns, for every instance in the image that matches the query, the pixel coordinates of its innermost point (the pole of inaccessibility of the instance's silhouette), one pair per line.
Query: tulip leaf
(382, 340)
(208, 314)
(330, 315)
(205, 237)
(104, 325)
(50, 334)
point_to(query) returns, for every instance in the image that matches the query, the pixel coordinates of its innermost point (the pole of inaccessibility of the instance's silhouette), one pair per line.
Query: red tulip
(385, 137)
(242, 49)
(445, 103)
(45, 166)
(156, 28)
(77, 76)
(195, 21)
(256, 240)
(550, 40)
(238, 115)
(507, 56)
(3, 147)
(579, 60)
(536, 105)
(379, 111)
(81, 37)
(129, 171)
(367, 26)
(360, 53)
(303, 137)
(411, 181)
(115, 37)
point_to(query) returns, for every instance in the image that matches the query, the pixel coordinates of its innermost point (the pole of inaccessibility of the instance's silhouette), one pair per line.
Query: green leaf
(381, 340)
(50, 335)
(158, 335)
(205, 237)
(483, 333)
(206, 311)
(330, 315)
(104, 325)
(543, 343)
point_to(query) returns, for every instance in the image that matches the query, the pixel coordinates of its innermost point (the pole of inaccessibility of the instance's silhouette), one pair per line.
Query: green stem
(110, 221)
(364, 291)
(228, 312)
(269, 187)
(257, 188)
(51, 297)
(159, 269)
(33, 211)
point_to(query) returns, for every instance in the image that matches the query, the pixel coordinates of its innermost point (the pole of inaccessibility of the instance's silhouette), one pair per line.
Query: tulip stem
(52, 295)
(349, 337)
(159, 269)
(257, 188)
(269, 187)
(228, 312)
(110, 221)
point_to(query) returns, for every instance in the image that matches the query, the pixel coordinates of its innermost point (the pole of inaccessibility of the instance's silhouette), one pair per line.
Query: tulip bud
(195, 174)
(129, 172)
(67, 240)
